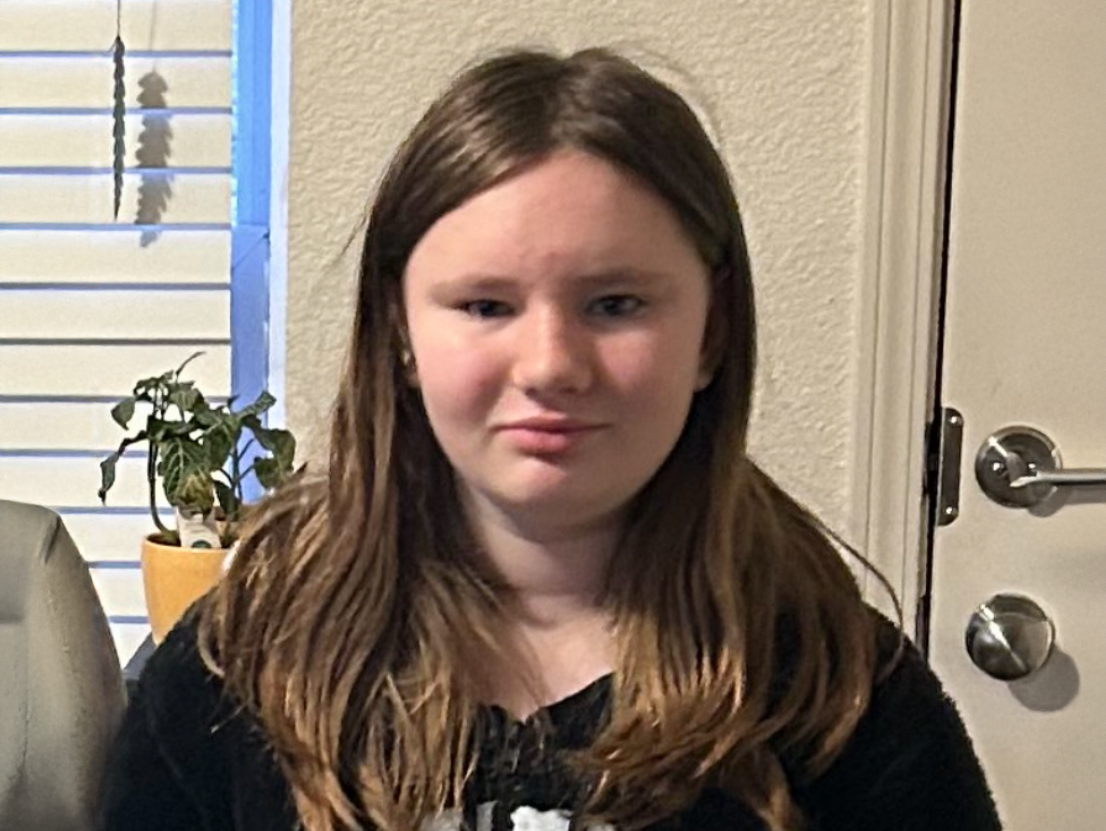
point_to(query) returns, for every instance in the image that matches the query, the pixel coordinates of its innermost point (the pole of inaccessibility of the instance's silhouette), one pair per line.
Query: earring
(407, 362)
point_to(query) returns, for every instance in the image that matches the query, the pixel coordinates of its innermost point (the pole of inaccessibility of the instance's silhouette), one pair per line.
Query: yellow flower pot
(174, 578)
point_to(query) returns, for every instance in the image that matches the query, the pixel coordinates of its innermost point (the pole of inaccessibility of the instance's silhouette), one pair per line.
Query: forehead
(571, 211)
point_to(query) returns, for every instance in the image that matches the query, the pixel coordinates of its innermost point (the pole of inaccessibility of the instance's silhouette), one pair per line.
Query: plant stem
(236, 461)
(151, 477)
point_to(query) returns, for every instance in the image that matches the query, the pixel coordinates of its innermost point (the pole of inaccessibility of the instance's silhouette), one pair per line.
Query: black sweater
(187, 759)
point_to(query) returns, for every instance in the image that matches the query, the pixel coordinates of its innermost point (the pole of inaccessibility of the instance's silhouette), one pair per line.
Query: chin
(559, 499)
(544, 498)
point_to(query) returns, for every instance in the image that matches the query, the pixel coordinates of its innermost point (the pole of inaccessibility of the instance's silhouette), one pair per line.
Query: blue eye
(617, 305)
(484, 308)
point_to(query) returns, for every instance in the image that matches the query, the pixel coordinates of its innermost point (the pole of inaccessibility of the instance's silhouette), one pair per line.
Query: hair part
(351, 617)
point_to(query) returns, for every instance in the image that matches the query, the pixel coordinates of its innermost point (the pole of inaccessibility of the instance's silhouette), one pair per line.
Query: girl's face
(557, 325)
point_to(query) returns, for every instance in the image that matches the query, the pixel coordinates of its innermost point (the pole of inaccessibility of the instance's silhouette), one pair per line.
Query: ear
(709, 359)
(703, 379)
(710, 354)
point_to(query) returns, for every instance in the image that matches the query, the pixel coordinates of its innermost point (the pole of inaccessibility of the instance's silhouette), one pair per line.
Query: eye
(484, 308)
(616, 305)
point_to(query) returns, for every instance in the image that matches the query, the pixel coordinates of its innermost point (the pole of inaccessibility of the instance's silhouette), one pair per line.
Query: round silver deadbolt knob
(1009, 637)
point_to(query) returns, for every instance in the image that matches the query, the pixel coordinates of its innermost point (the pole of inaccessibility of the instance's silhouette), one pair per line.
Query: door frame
(909, 116)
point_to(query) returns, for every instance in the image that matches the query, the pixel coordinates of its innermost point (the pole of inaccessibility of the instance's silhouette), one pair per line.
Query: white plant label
(197, 530)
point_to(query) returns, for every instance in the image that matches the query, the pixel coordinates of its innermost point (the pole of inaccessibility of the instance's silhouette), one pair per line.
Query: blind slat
(88, 82)
(72, 483)
(115, 314)
(58, 426)
(86, 140)
(120, 591)
(81, 199)
(83, 256)
(107, 538)
(90, 24)
(105, 370)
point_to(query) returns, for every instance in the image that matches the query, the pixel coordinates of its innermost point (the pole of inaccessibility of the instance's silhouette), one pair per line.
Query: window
(90, 303)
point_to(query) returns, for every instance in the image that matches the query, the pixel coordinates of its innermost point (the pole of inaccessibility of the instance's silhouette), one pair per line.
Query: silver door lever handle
(1020, 467)
(1072, 477)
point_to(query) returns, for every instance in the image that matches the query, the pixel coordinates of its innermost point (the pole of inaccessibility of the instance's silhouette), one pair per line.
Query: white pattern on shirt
(523, 819)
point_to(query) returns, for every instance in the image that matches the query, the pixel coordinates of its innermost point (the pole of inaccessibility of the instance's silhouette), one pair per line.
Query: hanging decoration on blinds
(119, 111)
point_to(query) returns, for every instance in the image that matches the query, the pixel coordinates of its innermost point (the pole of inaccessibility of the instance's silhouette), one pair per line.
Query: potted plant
(204, 455)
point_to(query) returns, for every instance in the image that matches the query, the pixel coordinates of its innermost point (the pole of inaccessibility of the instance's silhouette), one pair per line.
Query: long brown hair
(347, 620)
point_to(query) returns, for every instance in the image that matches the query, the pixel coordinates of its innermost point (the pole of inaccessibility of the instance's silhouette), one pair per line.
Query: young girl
(543, 586)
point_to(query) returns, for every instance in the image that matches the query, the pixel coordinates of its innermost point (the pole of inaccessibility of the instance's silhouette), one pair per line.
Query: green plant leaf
(185, 397)
(184, 473)
(143, 388)
(268, 472)
(207, 417)
(219, 441)
(161, 430)
(264, 402)
(123, 412)
(107, 466)
(283, 446)
(281, 443)
(107, 476)
(196, 493)
(228, 500)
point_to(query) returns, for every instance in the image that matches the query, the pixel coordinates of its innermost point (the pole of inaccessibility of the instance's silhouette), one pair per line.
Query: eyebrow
(605, 277)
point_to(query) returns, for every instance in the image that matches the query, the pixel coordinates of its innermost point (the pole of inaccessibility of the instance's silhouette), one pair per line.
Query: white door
(1024, 345)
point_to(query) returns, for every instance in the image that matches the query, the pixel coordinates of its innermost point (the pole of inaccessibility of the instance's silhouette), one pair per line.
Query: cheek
(457, 385)
(660, 370)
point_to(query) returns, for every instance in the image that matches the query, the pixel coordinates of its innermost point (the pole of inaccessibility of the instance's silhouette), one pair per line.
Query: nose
(552, 353)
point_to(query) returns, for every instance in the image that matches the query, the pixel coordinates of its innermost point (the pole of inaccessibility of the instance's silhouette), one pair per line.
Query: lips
(546, 435)
(550, 425)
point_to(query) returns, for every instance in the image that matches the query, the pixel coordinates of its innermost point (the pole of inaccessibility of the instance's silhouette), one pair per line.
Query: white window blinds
(89, 304)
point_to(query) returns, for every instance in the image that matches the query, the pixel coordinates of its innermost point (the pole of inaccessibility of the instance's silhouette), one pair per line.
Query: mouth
(552, 425)
(549, 436)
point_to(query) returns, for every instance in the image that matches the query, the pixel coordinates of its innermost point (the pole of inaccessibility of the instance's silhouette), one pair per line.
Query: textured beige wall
(787, 84)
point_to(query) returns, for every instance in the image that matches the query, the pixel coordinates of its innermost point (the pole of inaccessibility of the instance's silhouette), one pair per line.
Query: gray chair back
(61, 686)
